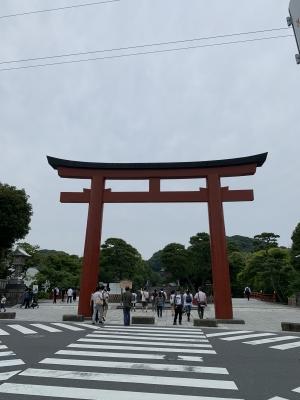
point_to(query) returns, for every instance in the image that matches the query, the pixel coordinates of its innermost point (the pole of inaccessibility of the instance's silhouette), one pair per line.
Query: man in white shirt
(201, 299)
(70, 295)
(97, 302)
(145, 299)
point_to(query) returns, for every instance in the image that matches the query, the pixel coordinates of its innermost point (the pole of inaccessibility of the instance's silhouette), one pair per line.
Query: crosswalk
(263, 338)
(131, 363)
(38, 328)
(296, 390)
(8, 363)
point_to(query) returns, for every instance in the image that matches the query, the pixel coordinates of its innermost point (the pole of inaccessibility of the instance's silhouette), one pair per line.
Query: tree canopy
(15, 216)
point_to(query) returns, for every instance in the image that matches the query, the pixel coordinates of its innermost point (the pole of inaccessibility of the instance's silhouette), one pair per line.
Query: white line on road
(230, 339)
(140, 342)
(167, 338)
(131, 365)
(8, 363)
(278, 398)
(271, 340)
(141, 348)
(153, 329)
(113, 355)
(217, 334)
(22, 329)
(2, 346)
(46, 328)
(2, 332)
(286, 346)
(7, 353)
(148, 334)
(93, 394)
(125, 378)
(66, 326)
(6, 375)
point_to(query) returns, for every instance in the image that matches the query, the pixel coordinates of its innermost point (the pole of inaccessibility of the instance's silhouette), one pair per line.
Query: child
(3, 303)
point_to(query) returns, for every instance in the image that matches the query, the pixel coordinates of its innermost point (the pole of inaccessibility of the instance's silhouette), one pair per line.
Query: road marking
(158, 329)
(125, 378)
(7, 353)
(22, 329)
(6, 375)
(150, 334)
(141, 348)
(226, 333)
(2, 346)
(297, 390)
(113, 355)
(130, 365)
(271, 340)
(286, 346)
(240, 337)
(46, 328)
(167, 338)
(88, 326)
(169, 344)
(190, 358)
(278, 398)
(93, 394)
(2, 332)
(66, 326)
(8, 363)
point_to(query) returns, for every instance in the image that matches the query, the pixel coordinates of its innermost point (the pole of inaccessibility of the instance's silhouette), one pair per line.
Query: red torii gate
(213, 194)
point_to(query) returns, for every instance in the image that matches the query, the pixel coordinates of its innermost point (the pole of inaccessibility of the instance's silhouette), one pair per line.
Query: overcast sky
(192, 105)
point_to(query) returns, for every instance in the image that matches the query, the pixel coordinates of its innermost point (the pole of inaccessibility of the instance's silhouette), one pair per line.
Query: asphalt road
(67, 360)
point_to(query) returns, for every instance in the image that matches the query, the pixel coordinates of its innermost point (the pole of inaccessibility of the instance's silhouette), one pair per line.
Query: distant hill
(243, 243)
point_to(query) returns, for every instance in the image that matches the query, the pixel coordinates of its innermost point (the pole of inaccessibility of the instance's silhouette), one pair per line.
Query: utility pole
(294, 21)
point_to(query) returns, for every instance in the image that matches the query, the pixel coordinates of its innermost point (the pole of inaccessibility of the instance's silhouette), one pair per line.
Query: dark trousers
(178, 313)
(159, 311)
(126, 313)
(200, 311)
(69, 299)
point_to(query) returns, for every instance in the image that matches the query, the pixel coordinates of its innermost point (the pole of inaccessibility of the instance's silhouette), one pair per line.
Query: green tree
(268, 270)
(15, 216)
(200, 259)
(58, 268)
(175, 260)
(237, 262)
(265, 241)
(295, 261)
(119, 260)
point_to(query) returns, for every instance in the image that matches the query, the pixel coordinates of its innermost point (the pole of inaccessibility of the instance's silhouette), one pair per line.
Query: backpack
(188, 298)
(99, 301)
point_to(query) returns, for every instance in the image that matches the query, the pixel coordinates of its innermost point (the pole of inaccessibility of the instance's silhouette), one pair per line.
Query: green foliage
(265, 241)
(175, 260)
(155, 261)
(200, 260)
(240, 243)
(15, 216)
(119, 260)
(57, 267)
(237, 262)
(268, 270)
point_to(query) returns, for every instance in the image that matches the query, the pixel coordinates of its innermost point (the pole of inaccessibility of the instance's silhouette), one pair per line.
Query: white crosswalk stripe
(217, 334)
(168, 344)
(240, 337)
(46, 328)
(3, 332)
(68, 327)
(162, 339)
(22, 329)
(148, 334)
(286, 346)
(271, 340)
(147, 369)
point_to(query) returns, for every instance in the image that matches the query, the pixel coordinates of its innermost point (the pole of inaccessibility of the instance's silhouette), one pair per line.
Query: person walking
(188, 301)
(63, 292)
(74, 294)
(247, 292)
(105, 303)
(201, 300)
(97, 302)
(55, 294)
(134, 299)
(153, 299)
(126, 301)
(27, 299)
(3, 303)
(172, 304)
(178, 302)
(145, 299)
(159, 301)
(69, 295)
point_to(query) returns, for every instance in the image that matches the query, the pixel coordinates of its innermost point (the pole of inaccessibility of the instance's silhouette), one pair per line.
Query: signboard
(35, 289)
(294, 9)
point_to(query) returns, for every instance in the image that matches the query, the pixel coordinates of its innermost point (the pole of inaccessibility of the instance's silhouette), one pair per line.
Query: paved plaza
(258, 315)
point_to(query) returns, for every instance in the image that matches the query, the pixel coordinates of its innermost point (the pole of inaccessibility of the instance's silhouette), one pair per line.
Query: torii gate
(214, 195)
